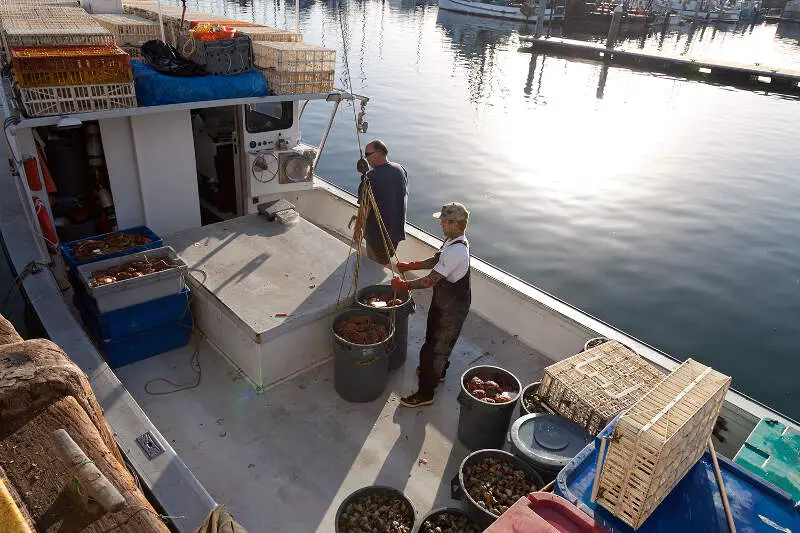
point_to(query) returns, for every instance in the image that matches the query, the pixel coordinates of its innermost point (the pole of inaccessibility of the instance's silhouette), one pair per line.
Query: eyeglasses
(367, 154)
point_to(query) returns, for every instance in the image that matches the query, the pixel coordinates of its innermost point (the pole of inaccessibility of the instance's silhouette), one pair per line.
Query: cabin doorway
(217, 156)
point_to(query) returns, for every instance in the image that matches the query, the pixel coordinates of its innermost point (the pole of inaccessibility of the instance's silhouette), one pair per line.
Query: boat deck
(284, 460)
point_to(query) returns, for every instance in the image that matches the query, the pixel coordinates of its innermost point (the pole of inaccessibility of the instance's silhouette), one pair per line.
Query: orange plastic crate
(56, 66)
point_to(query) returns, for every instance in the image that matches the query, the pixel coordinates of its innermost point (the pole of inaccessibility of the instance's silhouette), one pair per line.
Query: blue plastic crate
(126, 350)
(124, 322)
(73, 263)
(694, 505)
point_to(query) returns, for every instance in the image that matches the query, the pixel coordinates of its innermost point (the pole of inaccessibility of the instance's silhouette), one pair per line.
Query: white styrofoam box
(102, 6)
(136, 290)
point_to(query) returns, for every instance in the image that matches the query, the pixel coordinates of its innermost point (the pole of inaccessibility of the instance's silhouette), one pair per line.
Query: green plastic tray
(772, 452)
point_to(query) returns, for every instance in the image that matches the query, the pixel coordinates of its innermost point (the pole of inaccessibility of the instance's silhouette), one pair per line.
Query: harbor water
(662, 206)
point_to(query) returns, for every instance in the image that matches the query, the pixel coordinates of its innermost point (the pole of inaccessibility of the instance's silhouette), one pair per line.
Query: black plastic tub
(433, 515)
(482, 424)
(366, 491)
(523, 409)
(458, 487)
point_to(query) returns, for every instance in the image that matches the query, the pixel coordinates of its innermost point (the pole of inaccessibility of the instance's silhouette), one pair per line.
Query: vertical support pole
(598, 468)
(297, 16)
(540, 18)
(613, 31)
(161, 22)
(327, 131)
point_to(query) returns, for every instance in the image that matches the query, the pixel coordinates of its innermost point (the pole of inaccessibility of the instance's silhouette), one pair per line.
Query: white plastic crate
(136, 290)
(45, 101)
(102, 6)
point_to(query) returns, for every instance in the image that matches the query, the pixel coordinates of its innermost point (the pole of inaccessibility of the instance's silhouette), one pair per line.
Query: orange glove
(405, 267)
(400, 285)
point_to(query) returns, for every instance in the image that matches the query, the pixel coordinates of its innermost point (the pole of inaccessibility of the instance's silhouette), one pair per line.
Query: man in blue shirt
(389, 182)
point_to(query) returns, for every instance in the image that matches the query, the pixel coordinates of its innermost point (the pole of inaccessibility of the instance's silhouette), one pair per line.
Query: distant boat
(729, 15)
(506, 9)
(696, 10)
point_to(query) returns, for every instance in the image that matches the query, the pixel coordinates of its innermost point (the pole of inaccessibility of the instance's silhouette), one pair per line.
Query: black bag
(165, 59)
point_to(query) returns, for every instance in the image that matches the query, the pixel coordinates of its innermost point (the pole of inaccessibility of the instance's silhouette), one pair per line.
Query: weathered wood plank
(7, 332)
(35, 374)
(47, 486)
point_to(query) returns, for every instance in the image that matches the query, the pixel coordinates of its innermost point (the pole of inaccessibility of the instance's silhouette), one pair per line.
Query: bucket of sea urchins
(362, 342)
(395, 304)
(376, 509)
(448, 520)
(491, 481)
(488, 398)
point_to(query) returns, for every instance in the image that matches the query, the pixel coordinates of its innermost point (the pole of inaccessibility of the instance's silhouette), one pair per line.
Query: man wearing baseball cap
(452, 297)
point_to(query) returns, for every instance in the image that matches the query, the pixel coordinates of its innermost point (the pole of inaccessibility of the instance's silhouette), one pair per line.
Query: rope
(163, 517)
(194, 360)
(349, 79)
(34, 267)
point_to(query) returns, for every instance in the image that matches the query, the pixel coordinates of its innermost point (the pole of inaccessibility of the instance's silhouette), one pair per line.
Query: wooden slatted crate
(658, 440)
(294, 57)
(592, 387)
(298, 82)
(129, 30)
(266, 33)
(44, 101)
(42, 36)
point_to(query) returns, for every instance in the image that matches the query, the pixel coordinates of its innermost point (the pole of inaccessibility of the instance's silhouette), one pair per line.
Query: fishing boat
(511, 10)
(260, 427)
(696, 10)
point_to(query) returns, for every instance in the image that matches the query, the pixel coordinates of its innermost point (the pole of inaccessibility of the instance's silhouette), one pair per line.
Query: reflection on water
(663, 206)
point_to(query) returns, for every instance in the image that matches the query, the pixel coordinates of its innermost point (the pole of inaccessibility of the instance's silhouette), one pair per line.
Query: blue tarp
(154, 88)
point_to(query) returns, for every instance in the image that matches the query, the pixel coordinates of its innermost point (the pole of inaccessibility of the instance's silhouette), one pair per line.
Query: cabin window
(268, 116)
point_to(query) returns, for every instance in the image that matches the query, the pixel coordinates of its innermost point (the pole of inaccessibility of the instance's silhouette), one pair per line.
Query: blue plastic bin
(73, 263)
(126, 350)
(694, 505)
(129, 320)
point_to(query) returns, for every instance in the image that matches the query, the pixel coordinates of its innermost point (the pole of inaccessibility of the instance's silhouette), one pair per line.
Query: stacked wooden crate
(592, 387)
(295, 67)
(171, 17)
(267, 33)
(64, 62)
(130, 31)
(658, 440)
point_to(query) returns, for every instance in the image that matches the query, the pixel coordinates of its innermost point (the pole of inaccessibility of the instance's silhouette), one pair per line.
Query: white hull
(491, 10)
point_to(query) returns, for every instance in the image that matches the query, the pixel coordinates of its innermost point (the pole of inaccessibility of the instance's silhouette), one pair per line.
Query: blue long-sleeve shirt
(390, 187)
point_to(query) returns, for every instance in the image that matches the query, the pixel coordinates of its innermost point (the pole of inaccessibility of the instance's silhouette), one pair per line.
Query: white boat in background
(699, 11)
(504, 9)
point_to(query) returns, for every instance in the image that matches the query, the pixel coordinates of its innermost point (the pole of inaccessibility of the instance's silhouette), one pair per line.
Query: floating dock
(777, 79)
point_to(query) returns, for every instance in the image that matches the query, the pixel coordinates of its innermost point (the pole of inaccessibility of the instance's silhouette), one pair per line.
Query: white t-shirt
(453, 259)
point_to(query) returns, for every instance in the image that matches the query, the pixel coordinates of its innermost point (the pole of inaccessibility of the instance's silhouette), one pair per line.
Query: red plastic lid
(542, 512)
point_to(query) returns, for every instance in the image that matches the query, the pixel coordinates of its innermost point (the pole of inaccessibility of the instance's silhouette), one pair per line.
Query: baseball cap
(452, 211)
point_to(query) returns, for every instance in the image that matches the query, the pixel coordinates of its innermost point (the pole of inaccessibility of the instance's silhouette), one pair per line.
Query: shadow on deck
(284, 460)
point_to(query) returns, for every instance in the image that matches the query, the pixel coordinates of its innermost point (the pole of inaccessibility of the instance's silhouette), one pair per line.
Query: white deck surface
(284, 460)
(259, 269)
